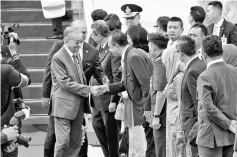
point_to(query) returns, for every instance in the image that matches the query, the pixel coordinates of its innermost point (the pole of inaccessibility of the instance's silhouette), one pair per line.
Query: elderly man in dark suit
(217, 97)
(137, 71)
(194, 67)
(91, 66)
(220, 27)
(68, 94)
(104, 123)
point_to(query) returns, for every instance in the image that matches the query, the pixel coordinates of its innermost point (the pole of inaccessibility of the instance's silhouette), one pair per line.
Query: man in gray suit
(217, 98)
(68, 94)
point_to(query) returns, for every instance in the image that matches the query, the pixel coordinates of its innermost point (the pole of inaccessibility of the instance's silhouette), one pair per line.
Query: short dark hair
(114, 24)
(187, 45)
(212, 46)
(202, 26)
(138, 34)
(101, 28)
(216, 4)
(98, 14)
(198, 13)
(162, 22)
(159, 40)
(177, 19)
(118, 37)
(111, 16)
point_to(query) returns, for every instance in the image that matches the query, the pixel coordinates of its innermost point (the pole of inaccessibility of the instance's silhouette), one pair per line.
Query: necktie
(78, 66)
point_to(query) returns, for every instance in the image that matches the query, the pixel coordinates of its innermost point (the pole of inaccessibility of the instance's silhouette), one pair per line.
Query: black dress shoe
(59, 36)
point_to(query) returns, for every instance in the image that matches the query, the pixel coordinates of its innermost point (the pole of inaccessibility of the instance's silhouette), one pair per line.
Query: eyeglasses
(130, 18)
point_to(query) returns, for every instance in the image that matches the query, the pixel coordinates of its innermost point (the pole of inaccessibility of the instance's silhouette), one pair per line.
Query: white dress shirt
(217, 27)
(215, 61)
(69, 52)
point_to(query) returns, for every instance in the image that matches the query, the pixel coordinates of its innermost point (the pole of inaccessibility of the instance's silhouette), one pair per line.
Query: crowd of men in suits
(88, 78)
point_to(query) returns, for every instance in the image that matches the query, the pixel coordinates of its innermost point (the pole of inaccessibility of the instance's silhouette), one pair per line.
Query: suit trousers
(68, 135)
(160, 141)
(150, 140)
(51, 139)
(57, 24)
(107, 130)
(226, 151)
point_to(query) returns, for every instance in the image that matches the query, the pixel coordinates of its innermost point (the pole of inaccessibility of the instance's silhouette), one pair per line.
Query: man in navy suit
(194, 67)
(103, 107)
(220, 27)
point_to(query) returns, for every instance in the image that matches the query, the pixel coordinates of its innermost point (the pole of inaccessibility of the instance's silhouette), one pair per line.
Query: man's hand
(156, 123)
(235, 154)
(148, 115)
(232, 126)
(11, 147)
(112, 107)
(96, 91)
(11, 132)
(105, 80)
(45, 103)
(83, 137)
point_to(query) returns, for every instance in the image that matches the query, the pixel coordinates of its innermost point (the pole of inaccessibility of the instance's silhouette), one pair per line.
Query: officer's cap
(131, 10)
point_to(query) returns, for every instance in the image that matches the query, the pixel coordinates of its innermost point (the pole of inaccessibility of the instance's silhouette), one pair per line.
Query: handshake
(99, 90)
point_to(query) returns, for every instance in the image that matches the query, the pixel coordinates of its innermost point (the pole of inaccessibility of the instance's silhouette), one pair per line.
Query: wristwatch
(156, 116)
(15, 57)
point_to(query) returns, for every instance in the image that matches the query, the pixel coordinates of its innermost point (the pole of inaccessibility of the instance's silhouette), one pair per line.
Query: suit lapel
(104, 53)
(185, 72)
(222, 28)
(125, 65)
(70, 61)
(85, 54)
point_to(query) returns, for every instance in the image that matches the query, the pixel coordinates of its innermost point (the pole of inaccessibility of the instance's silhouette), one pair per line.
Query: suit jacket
(10, 77)
(68, 91)
(189, 103)
(91, 66)
(137, 73)
(228, 29)
(110, 65)
(217, 97)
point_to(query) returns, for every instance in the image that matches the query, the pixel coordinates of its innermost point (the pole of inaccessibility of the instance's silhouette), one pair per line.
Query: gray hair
(68, 32)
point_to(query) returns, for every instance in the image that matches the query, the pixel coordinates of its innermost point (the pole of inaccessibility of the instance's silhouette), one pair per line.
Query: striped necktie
(78, 66)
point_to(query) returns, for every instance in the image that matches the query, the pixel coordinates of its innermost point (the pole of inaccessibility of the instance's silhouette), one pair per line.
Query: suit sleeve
(16, 79)
(19, 66)
(233, 35)
(47, 80)
(117, 87)
(143, 75)
(98, 71)
(205, 97)
(60, 73)
(192, 87)
(3, 138)
(115, 64)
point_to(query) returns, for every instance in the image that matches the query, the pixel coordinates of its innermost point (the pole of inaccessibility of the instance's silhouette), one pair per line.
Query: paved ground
(36, 145)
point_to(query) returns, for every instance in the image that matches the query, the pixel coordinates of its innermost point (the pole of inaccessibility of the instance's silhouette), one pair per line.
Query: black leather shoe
(59, 36)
